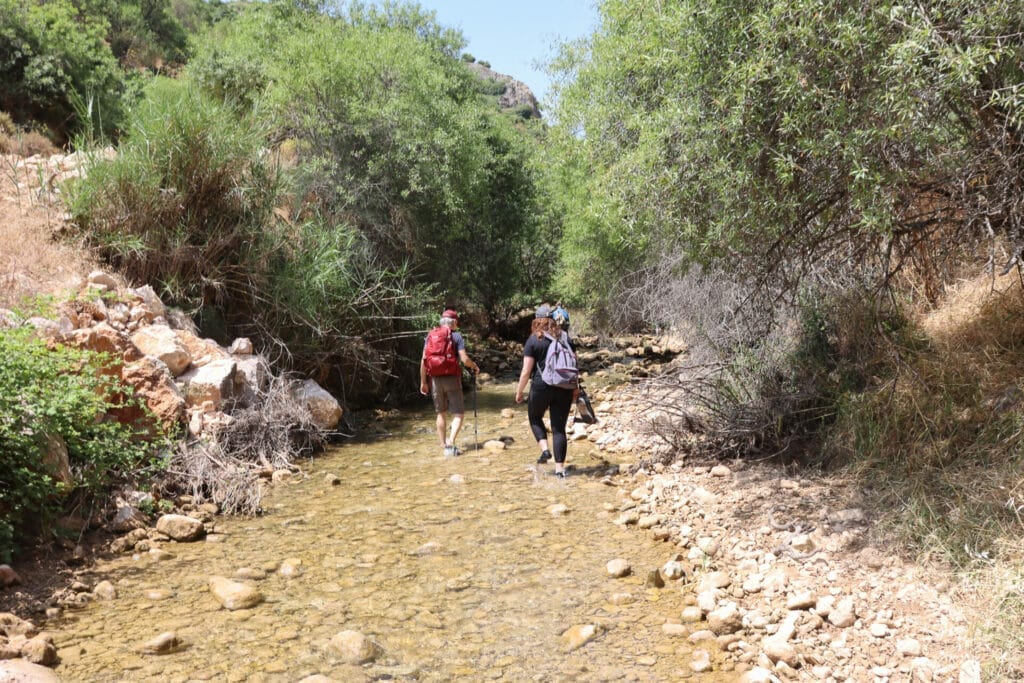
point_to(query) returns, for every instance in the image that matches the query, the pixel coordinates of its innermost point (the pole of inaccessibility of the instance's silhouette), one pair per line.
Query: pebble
(618, 568)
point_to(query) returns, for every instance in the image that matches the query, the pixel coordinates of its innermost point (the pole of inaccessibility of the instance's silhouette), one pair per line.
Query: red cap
(450, 313)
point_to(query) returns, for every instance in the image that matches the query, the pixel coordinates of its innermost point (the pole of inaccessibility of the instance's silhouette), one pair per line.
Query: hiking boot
(544, 457)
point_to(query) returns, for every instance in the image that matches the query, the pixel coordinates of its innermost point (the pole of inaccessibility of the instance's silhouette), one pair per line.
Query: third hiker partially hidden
(440, 373)
(549, 357)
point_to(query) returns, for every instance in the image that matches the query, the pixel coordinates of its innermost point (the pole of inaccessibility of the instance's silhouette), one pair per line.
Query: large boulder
(155, 386)
(151, 301)
(213, 382)
(324, 408)
(102, 338)
(202, 351)
(161, 342)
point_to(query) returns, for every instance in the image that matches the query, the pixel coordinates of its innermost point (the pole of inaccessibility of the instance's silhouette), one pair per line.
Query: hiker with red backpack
(549, 357)
(441, 375)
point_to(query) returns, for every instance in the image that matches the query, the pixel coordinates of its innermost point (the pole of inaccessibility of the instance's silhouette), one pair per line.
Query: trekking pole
(476, 423)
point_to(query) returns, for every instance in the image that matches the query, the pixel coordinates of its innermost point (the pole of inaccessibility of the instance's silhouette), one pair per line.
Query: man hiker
(442, 351)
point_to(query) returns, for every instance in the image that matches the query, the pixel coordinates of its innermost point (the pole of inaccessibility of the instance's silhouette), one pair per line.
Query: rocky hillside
(516, 94)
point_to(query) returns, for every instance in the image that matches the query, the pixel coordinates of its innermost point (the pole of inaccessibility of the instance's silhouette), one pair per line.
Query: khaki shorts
(447, 393)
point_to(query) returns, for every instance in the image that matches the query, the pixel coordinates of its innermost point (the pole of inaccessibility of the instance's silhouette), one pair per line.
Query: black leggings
(543, 397)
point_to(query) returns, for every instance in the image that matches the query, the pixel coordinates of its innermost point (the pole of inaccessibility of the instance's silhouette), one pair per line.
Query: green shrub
(50, 55)
(63, 394)
(186, 199)
(467, 58)
(492, 86)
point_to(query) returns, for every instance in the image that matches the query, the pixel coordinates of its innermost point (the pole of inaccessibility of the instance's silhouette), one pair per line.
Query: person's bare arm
(424, 383)
(524, 377)
(468, 362)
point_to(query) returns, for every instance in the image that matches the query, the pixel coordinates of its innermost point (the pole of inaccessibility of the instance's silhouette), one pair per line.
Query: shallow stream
(456, 567)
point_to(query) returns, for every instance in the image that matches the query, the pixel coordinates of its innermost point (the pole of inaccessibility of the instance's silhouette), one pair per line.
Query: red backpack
(439, 354)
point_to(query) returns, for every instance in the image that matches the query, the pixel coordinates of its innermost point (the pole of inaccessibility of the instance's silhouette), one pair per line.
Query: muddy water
(456, 567)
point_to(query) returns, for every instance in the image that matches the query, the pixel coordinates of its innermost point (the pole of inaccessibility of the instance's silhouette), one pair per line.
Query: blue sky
(513, 35)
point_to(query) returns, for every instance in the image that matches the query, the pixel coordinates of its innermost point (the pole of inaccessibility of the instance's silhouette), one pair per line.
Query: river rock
(779, 650)
(673, 569)
(801, 601)
(691, 614)
(163, 644)
(843, 615)
(701, 661)
(180, 528)
(126, 518)
(22, 671)
(317, 678)
(13, 625)
(720, 471)
(714, 580)
(618, 568)
(250, 573)
(39, 650)
(8, 577)
(233, 595)
(908, 647)
(558, 509)
(725, 619)
(355, 648)
(105, 590)
(577, 636)
(494, 445)
(758, 675)
(291, 567)
(157, 594)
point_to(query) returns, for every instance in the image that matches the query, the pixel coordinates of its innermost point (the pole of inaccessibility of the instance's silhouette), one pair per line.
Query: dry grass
(26, 144)
(32, 262)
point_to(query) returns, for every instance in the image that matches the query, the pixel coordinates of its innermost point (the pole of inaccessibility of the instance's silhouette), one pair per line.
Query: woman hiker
(545, 397)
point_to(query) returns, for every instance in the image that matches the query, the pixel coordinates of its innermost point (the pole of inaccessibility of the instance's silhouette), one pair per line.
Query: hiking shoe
(456, 451)
(561, 475)
(544, 457)
(449, 451)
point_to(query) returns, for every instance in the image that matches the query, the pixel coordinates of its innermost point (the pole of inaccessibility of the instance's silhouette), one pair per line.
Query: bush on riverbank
(56, 441)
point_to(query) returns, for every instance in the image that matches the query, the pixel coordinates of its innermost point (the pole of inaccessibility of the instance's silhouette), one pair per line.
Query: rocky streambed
(385, 561)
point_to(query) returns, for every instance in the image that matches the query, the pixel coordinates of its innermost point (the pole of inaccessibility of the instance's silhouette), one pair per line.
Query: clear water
(487, 601)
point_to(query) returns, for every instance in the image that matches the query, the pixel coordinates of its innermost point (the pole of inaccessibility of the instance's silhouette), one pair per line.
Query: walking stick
(476, 440)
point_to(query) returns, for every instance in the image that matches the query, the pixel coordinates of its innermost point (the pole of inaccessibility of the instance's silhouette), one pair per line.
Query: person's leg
(561, 405)
(440, 395)
(441, 429)
(536, 405)
(457, 409)
(456, 426)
